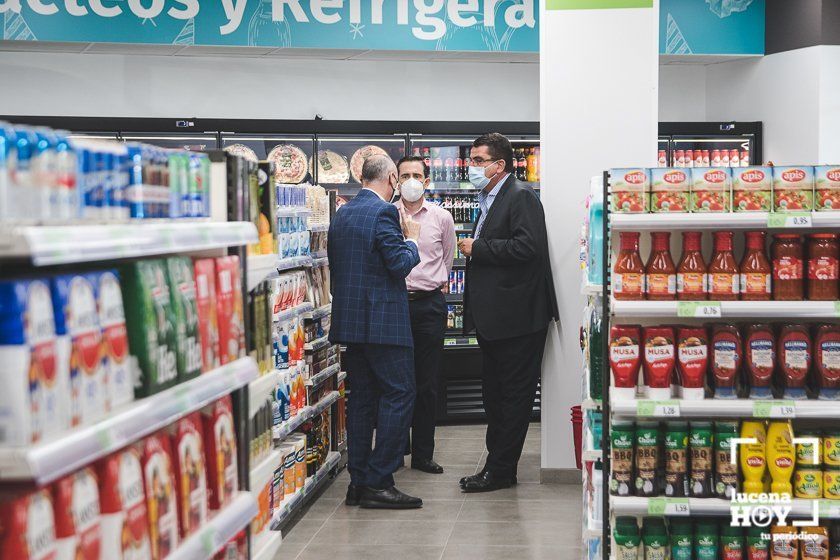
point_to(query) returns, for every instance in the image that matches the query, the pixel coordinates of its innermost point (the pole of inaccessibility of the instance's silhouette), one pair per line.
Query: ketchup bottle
(692, 282)
(628, 278)
(724, 279)
(755, 269)
(661, 273)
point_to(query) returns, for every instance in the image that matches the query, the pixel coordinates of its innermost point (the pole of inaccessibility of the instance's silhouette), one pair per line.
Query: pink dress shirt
(436, 246)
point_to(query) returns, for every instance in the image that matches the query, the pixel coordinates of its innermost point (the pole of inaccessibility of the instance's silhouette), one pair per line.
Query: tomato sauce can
(669, 190)
(629, 190)
(752, 189)
(827, 187)
(793, 188)
(710, 189)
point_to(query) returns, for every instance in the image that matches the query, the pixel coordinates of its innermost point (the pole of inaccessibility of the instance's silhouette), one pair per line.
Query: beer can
(715, 158)
(104, 159)
(120, 171)
(193, 198)
(453, 284)
(178, 169)
(689, 158)
(460, 281)
(734, 160)
(706, 159)
(138, 206)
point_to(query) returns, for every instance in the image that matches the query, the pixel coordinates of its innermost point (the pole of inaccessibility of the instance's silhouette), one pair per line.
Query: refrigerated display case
(290, 153)
(192, 142)
(725, 144)
(338, 165)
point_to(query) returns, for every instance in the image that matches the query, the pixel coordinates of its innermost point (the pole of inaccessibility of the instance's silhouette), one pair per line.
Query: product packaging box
(77, 516)
(179, 272)
(28, 527)
(161, 504)
(229, 309)
(793, 188)
(34, 401)
(190, 472)
(208, 324)
(125, 521)
(299, 442)
(629, 190)
(752, 189)
(267, 227)
(669, 190)
(120, 378)
(711, 189)
(287, 451)
(254, 204)
(220, 447)
(827, 187)
(152, 335)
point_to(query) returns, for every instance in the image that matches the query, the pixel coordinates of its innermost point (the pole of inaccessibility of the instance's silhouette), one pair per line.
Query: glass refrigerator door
(191, 142)
(663, 157)
(290, 153)
(338, 165)
(713, 151)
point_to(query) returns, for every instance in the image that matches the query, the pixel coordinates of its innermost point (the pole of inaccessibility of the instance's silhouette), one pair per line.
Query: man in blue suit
(372, 248)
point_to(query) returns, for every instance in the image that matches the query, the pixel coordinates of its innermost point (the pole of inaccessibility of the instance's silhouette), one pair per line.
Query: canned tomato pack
(752, 189)
(629, 190)
(827, 187)
(669, 190)
(793, 188)
(710, 189)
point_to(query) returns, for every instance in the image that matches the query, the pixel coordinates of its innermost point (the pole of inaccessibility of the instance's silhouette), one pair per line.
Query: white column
(599, 103)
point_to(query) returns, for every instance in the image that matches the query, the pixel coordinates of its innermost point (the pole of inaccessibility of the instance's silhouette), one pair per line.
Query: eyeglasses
(481, 161)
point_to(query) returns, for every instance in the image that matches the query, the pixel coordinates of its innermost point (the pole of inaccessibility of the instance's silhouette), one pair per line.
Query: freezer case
(720, 144)
(290, 153)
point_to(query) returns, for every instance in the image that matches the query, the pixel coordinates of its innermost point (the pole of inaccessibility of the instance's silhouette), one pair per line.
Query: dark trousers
(510, 376)
(428, 327)
(380, 379)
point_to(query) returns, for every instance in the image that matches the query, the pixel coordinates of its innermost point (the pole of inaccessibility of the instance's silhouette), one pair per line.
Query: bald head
(379, 173)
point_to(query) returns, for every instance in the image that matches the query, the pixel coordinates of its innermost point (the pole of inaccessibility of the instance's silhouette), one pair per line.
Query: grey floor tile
(531, 491)
(289, 551)
(562, 512)
(456, 458)
(469, 431)
(448, 475)
(370, 552)
(432, 510)
(526, 533)
(482, 552)
(321, 508)
(444, 490)
(302, 531)
(405, 532)
(457, 445)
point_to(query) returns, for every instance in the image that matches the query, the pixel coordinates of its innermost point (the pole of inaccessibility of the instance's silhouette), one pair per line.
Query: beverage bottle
(459, 165)
(450, 170)
(264, 30)
(628, 271)
(438, 172)
(724, 277)
(22, 188)
(660, 273)
(467, 164)
(523, 165)
(662, 159)
(531, 172)
(44, 173)
(692, 283)
(537, 163)
(427, 159)
(66, 172)
(755, 269)
(515, 165)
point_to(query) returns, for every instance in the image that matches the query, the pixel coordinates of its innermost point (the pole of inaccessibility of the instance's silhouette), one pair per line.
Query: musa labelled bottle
(692, 282)
(724, 278)
(628, 272)
(661, 274)
(755, 269)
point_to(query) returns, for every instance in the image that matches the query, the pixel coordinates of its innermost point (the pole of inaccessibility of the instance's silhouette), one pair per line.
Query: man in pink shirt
(426, 302)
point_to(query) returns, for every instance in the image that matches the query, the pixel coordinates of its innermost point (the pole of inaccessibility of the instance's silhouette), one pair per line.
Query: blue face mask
(477, 178)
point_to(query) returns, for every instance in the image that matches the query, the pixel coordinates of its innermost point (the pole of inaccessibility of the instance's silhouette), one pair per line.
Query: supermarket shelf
(631, 505)
(320, 261)
(591, 455)
(319, 312)
(734, 408)
(319, 254)
(342, 375)
(317, 344)
(260, 389)
(260, 269)
(323, 375)
(713, 221)
(459, 262)
(268, 546)
(768, 309)
(290, 505)
(286, 314)
(52, 245)
(591, 404)
(454, 298)
(221, 528)
(282, 430)
(588, 289)
(319, 227)
(264, 470)
(289, 263)
(48, 461)
(460, 342)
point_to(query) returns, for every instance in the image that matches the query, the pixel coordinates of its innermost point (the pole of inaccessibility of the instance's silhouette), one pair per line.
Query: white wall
(682, 93)
(829, 110)
(265, 88)
(597, 111)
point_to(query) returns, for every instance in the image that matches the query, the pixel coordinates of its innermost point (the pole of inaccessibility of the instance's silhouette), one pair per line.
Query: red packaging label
(161, 504)
(220, 446)
(787, 268)
(208, 326)
(28, 528)
(229, 309)
(624, 355)
(659, 359)
(122, 493)
(692, 356)
(77, 515)
(823, 268)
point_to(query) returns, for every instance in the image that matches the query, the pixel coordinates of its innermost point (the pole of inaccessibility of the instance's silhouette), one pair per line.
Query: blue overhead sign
(723, 27)
(443, 25)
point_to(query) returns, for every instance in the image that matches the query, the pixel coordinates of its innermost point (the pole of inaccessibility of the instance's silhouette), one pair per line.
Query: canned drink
(85, 180)
(716, 158)
(120, 209)
(67, 167)
(194, 199)
(453, 284)
(204, 174)
(460, 281)
(104, 161)
(689, 158)
(134, 189)
(745, 158)
(734, 160)
(706, 159)
(178, 172)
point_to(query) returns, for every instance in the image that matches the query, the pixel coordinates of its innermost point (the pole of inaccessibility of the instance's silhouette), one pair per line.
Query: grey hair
(377, 168)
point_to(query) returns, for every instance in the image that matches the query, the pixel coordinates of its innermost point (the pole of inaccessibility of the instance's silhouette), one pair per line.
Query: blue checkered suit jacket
(369, 260)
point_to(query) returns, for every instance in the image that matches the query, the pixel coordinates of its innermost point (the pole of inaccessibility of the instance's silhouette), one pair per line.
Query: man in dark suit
(509, 300)
(372, 248)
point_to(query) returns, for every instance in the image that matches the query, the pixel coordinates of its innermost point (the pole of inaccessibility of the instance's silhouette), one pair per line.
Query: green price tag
(474, 340)
(830, 508)
(208, 541)
(789, 220)
(661, 409)
(699, 309)
(105, 439)
(669, 506)
(774, 409)
(450, 342)
(837, 308)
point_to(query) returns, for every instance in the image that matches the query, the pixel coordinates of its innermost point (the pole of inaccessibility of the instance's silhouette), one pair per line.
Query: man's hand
(465, 245)
(410, 227)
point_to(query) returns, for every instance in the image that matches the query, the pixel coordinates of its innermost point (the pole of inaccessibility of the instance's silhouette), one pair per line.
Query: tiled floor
(528, 522)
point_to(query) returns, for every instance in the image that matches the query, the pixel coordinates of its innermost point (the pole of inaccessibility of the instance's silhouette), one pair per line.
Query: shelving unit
(284, 429)
(259, 389)
(260, 268)
(684, 507)
(727, 309)
(322, 376)
(221, 528)
(293, 503)
(725, 220)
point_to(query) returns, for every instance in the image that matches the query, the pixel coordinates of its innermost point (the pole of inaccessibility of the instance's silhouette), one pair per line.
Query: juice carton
(629, 190)
(208, 325)
(710, 189)
(77, 517)
(77, 318)
(125, 521)
(287, 452)
(669, 190)
(190, 473)
(827, 187)
(27, 527)
(793, 188)
(179, 272)
(120, 386)
(752, 189)
(33, 402)
(151, 325)
(229, 309)
(161, 505)
(220, 447)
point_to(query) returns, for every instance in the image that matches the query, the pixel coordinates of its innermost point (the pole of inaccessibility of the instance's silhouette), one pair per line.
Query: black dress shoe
(389, 498)
(485, 482)
(463, 481)
(427, 466)
(353, 495)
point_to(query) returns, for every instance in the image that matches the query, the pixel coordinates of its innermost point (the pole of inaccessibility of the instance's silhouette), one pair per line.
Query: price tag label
(669, 506)
(774, 409)
(659, 409)
(699, 309)
(789, 220)
(474, 340)
(450, 342)
(208, 541)
(830, 508)
(837, 308)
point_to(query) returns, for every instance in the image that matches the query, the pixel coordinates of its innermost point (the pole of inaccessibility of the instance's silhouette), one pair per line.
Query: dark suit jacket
(369, 260)
(509, 287)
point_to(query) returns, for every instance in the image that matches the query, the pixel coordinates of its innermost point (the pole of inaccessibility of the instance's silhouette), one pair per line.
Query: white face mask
(411, 190)
(477, 177)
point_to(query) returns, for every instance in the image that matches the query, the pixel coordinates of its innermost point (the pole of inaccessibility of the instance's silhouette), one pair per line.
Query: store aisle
(528, 522)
